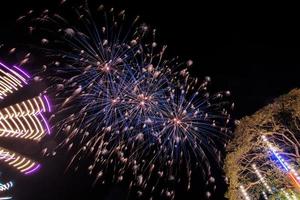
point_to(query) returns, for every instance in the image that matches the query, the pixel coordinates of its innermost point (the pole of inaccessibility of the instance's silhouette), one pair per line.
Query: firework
(22, 121)
(124, 107)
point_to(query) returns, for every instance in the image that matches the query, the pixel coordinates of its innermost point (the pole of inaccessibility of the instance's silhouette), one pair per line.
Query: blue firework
(125, 108)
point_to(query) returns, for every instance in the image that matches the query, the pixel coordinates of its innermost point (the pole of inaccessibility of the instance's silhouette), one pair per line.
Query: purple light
(33, 170)
(22, 71)
(14, 72)
(46, 123)
(4, 66)
(48, 103)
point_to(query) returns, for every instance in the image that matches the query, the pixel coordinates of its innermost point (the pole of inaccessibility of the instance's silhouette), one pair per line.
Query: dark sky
(250, 49)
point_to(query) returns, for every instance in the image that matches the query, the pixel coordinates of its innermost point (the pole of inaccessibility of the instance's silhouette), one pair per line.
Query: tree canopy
(280, 123)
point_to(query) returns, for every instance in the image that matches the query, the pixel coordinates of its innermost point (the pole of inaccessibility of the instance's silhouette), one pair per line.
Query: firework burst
(122, 106)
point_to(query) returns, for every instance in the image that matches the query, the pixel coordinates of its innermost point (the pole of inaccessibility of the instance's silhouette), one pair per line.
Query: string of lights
(244, 193)
(265, 195)
(291, 172)
(261, 179)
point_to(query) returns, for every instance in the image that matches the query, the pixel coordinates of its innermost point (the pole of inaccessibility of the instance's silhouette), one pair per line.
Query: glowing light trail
(23, 120)
(5, 198)
(265, 195)
(291, 172)
(262, 179)
(5, 187)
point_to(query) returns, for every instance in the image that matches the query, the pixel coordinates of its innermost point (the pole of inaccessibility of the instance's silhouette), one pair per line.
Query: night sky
(251, 49)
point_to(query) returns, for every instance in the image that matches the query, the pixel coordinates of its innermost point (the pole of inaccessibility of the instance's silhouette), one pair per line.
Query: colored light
(46, 123)
(292, 173)
(36, 168)
(22, 71)
(6, 186)
(13, 72)
(19, 162)
(24, 120)
(294, 179)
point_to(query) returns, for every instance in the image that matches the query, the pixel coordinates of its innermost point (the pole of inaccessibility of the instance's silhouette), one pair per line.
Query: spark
(126, 105)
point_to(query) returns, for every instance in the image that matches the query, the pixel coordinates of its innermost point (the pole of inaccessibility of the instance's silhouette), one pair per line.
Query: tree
(280, 123)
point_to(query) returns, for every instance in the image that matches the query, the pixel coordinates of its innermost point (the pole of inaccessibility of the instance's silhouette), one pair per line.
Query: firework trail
(124, 108)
